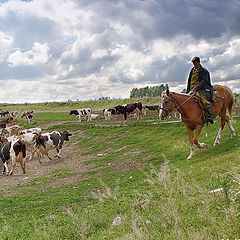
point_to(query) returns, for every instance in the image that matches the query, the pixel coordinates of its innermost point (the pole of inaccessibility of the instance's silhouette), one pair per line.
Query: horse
(193, 115)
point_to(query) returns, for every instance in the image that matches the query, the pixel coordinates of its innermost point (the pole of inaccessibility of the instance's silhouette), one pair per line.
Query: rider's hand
(192, 92)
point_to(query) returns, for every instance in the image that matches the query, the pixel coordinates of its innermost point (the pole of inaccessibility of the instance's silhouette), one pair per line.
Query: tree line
(155, 91)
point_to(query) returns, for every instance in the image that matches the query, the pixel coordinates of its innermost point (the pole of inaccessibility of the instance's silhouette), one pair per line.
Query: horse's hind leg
(222, 124)
(233, 133)
(190, 135)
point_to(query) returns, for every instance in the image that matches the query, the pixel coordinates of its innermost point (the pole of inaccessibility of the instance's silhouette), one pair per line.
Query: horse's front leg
(190, 135)
(197, 133)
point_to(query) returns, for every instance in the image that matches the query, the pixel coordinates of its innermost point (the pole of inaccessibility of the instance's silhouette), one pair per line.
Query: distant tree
(148, 91)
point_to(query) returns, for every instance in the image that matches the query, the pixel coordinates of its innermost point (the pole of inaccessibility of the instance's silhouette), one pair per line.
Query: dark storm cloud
(29, 29)
(165, 19)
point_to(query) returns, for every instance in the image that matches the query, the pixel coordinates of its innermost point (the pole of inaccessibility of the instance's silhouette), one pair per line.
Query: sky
(78, 49)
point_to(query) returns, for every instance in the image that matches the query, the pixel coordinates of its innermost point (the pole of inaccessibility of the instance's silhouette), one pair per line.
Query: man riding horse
(199, 81)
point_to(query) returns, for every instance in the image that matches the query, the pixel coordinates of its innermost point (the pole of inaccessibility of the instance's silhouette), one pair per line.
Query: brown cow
(130, 109)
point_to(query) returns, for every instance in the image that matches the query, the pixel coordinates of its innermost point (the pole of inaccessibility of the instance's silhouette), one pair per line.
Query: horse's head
(167, 104)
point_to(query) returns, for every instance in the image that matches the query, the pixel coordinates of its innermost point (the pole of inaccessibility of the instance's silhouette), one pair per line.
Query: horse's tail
(232, 102)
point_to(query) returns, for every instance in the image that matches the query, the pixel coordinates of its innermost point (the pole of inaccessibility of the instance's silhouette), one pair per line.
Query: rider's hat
(196, 59)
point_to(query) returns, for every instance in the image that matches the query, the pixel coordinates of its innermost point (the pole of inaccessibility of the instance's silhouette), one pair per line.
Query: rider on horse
(199, 81)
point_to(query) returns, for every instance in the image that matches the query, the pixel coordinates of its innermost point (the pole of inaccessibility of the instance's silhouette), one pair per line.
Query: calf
(107, 113)
(14, 151)
(53, 140)
(94, 116)
(130, 109)
(82, 112)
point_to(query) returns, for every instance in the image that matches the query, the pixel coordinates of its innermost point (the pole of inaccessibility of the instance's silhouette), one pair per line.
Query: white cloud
(37, 55)
(84, 50)
(5, 43)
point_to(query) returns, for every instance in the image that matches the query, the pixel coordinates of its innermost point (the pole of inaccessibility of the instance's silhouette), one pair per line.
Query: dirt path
(72, 158)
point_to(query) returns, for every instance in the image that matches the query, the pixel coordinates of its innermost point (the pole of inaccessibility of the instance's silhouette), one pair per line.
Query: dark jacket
(204, 83)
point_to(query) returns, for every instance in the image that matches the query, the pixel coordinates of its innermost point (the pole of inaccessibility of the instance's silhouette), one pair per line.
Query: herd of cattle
(135, 109)
(18, 144)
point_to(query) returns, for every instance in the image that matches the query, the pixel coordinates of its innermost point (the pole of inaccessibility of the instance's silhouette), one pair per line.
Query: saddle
(215, 99)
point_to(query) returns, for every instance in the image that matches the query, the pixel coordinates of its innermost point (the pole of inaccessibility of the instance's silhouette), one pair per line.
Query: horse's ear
(168, 93)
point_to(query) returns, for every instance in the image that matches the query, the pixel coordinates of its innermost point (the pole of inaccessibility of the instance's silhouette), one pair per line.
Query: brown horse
(193, 116)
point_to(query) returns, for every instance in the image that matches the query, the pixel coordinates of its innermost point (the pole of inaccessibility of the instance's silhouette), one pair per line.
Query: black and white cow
(54, 140)
(28, 116)
(86, 112)
(4, 114)
(14, 151)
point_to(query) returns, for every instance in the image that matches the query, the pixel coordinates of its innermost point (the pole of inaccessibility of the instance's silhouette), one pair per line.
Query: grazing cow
(94, 116)
(28, 116)
(53, 140)
(4, 114)
(130, 109)
(31, 130)
(14, 114)
(107, 113)
(14, 151)
(82, 112)
(151, 108)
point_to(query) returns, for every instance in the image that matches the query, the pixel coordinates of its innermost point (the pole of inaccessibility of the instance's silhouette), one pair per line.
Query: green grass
(144, 178)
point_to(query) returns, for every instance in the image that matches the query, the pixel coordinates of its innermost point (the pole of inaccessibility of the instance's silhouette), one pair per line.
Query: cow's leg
(30, 154)
(125, 116)
(137, 113)
(5, 168)
(89, 117)
(13, 165)
(190, 136)
(22, 164)
(79, 118)
(195, 140)
(58, 153)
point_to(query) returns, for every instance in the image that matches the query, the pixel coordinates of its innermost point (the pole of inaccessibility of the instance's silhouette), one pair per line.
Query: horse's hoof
(189, 157)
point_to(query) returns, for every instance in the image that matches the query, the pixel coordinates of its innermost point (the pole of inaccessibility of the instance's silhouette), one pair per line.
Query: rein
(174, 100)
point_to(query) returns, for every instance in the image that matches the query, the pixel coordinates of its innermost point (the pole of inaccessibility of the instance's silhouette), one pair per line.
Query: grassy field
(140, 185)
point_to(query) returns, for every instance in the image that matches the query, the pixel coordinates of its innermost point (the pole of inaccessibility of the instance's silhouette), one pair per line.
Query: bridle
(172, 99)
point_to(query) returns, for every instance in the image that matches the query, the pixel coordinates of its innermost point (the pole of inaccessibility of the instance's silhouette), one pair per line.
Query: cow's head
(120, 109)
(65, 136)
(75, 112)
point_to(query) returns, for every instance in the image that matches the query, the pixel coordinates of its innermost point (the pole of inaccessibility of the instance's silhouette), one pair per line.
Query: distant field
(136, 171)
(67, 106)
